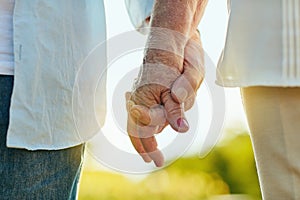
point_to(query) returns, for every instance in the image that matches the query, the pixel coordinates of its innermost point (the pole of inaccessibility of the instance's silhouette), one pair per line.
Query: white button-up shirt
(59, 95)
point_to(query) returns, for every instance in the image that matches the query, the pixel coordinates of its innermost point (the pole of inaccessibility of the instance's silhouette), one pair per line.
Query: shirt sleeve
(138, 11)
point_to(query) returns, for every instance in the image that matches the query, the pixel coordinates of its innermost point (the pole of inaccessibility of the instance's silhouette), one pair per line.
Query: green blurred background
(228, 169)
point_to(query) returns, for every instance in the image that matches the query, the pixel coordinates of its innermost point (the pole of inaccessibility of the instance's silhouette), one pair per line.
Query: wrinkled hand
(162, 100)
(152, 91)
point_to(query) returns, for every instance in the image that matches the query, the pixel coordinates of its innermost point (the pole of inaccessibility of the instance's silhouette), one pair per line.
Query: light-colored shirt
(138, 11)
(262, 44)
(59, 94)
(6, 37)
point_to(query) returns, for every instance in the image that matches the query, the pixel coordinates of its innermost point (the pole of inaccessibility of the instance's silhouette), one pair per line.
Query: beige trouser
(273, 115)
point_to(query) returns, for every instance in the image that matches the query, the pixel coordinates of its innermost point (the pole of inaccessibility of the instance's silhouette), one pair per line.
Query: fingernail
(181, 94)
(135, 113)
(181, 123)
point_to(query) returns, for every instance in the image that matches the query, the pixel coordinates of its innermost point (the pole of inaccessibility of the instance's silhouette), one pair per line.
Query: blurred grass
(228, 169)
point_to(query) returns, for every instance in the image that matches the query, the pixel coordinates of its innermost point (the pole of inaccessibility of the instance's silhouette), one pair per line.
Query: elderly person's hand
(169, 77)
(145, 121)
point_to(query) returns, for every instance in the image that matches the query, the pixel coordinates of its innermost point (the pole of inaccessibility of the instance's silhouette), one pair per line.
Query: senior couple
(47, 68)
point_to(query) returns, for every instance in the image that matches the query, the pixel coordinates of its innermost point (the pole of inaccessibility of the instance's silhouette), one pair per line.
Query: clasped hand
(166, 87)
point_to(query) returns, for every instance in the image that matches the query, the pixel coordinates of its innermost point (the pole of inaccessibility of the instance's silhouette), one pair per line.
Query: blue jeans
(39, 174)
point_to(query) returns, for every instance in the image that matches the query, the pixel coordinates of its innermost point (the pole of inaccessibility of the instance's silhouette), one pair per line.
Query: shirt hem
(36, 147)
(6, 72)
(41, 147)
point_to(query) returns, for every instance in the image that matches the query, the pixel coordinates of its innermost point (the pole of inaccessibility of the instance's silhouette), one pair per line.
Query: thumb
(174, 113)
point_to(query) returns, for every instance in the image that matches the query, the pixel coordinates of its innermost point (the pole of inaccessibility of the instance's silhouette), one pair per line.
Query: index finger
(135, 140)
(150, 146)
(144, 142)
(142, 138)
(148, 140)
